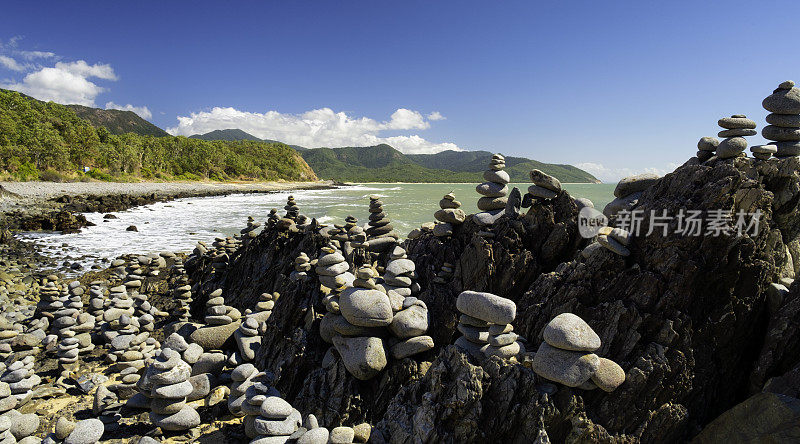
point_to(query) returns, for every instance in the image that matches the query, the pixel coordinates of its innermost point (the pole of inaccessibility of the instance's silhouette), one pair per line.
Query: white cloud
(316, 128)
(436, 115)
(65, 82)
(11, 64)
(611, 175)
(142, 111)
(32, 55)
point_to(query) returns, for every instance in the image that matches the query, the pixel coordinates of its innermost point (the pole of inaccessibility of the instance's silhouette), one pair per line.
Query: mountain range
(382, 163)
(117, 121)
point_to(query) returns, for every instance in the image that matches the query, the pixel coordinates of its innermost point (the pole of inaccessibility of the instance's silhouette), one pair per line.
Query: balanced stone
(569, 332)
(634, 184)
(487, 307)
(763, 152)
(364, 357)
(571, 368)
(545, 181)
(609, 375)
(783, 101)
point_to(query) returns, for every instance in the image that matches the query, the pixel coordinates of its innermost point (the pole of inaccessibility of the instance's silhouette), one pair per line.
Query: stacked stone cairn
(292, 210)
(493, 201)
(706, 148)
(615, 240)
(735, 128)
(302, 265)
(49, 301)
(221, 323)
(485, 324)
(97, 300)
(249, 233)
(273, 218)
(628, 192)
(169, 376)
(106, 407)
(119, 305)
(217, 313)
(257, 391)
(248, 339)
(332, 269)
(784, 120)
(118, 268)
(200, 248)
(566, 356)
(15, 426)
(450, 214)
(380, 232)
(445, 274)
(410, 319)
(277, 421)
(21, 378)
(544, 186)
(264, 306)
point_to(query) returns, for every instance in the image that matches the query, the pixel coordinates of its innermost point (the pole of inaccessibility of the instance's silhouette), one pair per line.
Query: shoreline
(461, 183)
(33, 206)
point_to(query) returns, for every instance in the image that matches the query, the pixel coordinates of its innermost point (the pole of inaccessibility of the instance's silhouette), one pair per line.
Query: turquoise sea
(178, 225)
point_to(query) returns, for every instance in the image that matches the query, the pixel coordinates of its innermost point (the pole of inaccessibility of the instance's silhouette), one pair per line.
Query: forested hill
(48, 141)
(117, 121)
(382, 163)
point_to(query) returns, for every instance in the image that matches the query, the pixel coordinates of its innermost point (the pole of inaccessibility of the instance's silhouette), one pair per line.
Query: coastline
(56, 206)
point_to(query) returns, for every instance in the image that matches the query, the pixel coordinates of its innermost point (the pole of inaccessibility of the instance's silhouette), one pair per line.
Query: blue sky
(614, 87)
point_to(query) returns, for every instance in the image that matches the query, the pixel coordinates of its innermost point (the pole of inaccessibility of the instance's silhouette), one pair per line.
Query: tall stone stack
(242, 377)
(493, 191)
(445, 273)
(449, 214)
(21, 377)
(272, 218)
(119, 304)
(264, 306)
(784, 120)
(169, 376)
(485, 325)
(68, 352)
(302, 265)
(399, 278)
(332, 269)
(615, 240)
(379, 224)
(49, 302)
(735, 128)
(249, 233)
(257, 392)
(248, 339)
(292, 210)
(97, 300)
(118, 268)
(566, 356)
(277, 418)
(217, 313)
(706, 147)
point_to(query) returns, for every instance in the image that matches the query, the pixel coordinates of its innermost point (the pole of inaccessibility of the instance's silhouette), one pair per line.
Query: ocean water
(178, 225)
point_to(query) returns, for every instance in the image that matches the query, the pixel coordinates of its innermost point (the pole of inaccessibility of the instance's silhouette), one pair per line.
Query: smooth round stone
(318, 435)
(545, 181)
(450, 215)
(333, 270)
(571, 368)
(634, 184)
(283, 427)
(474, 322)
(783, 101)
(63, 427)
(477, 335)
(737, 132)
(218, 320)
(214, 294)
(487, 307)
(504, 352)
(784, 120)
(88, 431)
(786, 85)
(363, 357)
(781, 134)
(496, 176)
(400, 267)
(365, 308)
(167, 406)
(410, 322)
(180, 373)
(762, 156)
(786, 149)
(569, 332)
(496, 329)
(412, 346)
(330, 259)
(492, 203)
(729, 148)
(243, 372)
(502, 339)
(736, 122)
(219, 300)
(172, 391)
(541, 192)
(609, 375)
(273, 407)
(186, 419)
(491, 189)
(342, 435)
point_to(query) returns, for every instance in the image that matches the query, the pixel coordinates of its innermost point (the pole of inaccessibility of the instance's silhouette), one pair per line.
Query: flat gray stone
(634, 184)
(487, 307)
(365, 307)
(364, 357)
(783, 101)
(88, 431)
(545, 181)
(410, 322)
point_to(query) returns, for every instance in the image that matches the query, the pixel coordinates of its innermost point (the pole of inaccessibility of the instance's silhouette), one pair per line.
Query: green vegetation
(228, 134)
(38, 138)
(383, 163)
(117, 121)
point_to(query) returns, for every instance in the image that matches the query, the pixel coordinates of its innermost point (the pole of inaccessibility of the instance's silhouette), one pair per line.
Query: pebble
(609, 375)
(569, 332)
(634, 184)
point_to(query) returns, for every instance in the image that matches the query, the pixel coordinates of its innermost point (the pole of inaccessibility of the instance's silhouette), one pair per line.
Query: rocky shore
(505, 323)
(32, 206)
